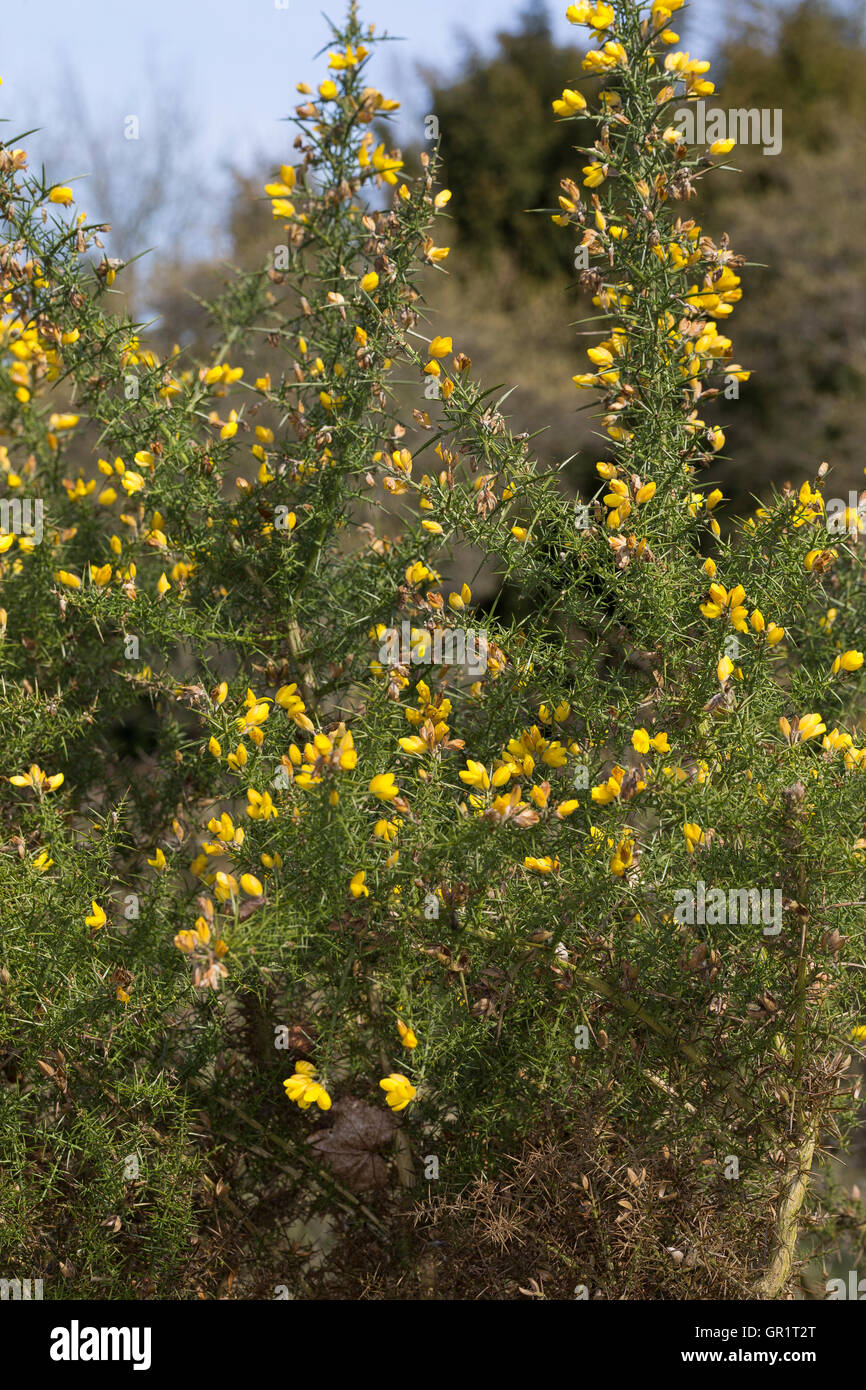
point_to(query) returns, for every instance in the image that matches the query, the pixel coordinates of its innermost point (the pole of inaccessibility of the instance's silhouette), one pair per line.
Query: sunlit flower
(398, 1090)
(407, 1037)
(37, 779)
(304, 1091)
(694, 836)
(357, 885)
(548, 865)
(848, 661)
(384, 786)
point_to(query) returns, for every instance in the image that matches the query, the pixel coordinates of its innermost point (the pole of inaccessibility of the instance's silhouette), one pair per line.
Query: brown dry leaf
(350, 1147)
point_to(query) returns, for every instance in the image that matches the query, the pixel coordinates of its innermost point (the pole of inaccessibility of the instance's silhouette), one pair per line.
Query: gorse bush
(323, 886)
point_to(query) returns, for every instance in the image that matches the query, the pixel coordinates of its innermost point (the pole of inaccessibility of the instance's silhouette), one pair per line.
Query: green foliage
(314, 847)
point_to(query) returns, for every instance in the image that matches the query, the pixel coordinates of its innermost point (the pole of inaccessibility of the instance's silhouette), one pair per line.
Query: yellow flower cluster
(304, 1091)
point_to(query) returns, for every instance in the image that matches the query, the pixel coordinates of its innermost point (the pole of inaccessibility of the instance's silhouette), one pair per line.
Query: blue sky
(234, 63)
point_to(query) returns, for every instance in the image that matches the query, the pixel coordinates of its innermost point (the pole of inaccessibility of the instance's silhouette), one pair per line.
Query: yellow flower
(70, 580)
(251, 886)
(440, 347)
(259, 804)
(805, 727)
(385, 830)
(622, 859)
(398, 1090)
(600, 357)
(819, 560)
(158, 861)
(547, 865)
(595, 174)
(357, 886)
(253, 716)
(848, 661)
(570, 102)
(304, 1091)
(418, 573)
(238, 759)
(694, 836)
(407, 1037)
(61, 195)
(369, 281)
(641, 742)
(384, 787)
(230, 428)
(37, 779)
(97, 917)
(608, 791)
(475, 775)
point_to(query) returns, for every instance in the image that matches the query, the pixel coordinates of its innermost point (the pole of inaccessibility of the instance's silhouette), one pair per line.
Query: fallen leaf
(350, 1146)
